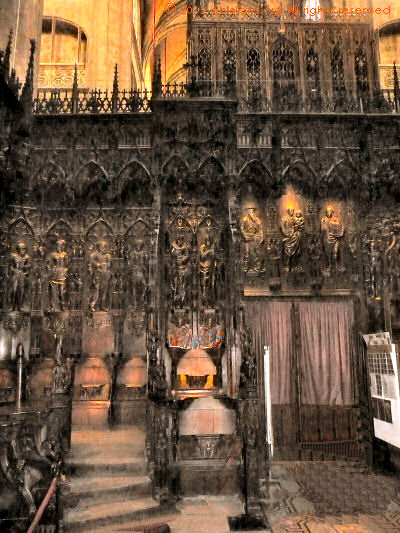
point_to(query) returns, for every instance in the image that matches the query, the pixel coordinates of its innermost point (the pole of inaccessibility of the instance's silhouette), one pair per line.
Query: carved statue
(57, 265)
(206, 262)
(392, 263)
(20, 267)
(315, 252)
(156, 373)
(100, 272)
(332, 234)
(292, 226)
(375, 269)
(252, 231)
(60, 371)
(181, 271)
(138, 260)
(274, 254)
(248, 369)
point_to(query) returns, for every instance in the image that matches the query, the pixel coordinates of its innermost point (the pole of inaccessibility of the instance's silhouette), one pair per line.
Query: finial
(396, 88)
(115, 91)
(7, 56)
(27, 90)
(157, 80)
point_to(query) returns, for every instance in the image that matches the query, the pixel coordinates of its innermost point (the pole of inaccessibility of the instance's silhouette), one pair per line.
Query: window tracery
(283, 66)
(361, 69)
(337, 69)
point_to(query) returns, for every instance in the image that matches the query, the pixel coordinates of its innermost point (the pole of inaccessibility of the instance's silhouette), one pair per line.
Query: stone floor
(304, 497)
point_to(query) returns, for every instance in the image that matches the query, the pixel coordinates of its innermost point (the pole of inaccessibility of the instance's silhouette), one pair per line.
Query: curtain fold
(271, 326)
(327, 352)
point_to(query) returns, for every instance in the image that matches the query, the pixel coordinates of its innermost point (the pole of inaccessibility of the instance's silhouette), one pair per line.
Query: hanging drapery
(327, 341)
(271, 326)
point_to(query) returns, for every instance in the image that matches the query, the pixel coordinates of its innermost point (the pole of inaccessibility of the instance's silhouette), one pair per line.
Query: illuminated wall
(388, 30)
(108, 29)
(165, 27)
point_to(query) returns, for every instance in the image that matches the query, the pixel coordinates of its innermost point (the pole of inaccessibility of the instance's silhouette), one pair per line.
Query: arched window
(63, 45)
(389, 52)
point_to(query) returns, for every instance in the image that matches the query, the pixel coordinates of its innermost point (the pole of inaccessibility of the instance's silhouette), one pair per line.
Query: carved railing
(381, 102)
(65, 101)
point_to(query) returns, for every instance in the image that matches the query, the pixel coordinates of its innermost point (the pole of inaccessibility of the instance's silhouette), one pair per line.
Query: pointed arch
(61, 227)
(49, 182)
(173, 166)
(135, 185)
(255, 176)
(21, 231)
(100, 229)
(301, 176)
(341, 180)
(93, 184)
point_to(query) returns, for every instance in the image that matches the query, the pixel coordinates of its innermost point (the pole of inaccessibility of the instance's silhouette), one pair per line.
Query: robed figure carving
(292, 226)
(57, 265)
(207, 270)
(181, 271)
(252, 231)
(20, 267)
(138, 261)
(100, 273)
(332, 235)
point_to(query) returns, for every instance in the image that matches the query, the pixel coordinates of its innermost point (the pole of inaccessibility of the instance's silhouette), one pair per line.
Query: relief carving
(332, 231)
(100, 277)
(292, 227)
(58, 267)
(253, 235)
(19, 270)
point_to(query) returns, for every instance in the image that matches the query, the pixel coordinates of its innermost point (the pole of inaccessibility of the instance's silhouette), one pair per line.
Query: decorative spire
(7, 56)
(27, 90)
(115, 91)
(157, 80)
(75, 91)
(396, 87)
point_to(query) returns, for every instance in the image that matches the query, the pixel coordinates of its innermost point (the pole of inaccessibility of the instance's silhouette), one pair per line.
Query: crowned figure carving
(292, 227)
(182, 270)
(253, 235)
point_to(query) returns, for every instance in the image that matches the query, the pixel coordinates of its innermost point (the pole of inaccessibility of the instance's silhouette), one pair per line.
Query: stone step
(93, 490)
(96, 516)
(80, 468)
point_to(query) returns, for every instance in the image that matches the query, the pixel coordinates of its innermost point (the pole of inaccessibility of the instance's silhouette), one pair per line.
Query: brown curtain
(271, 326)
(327, 353)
